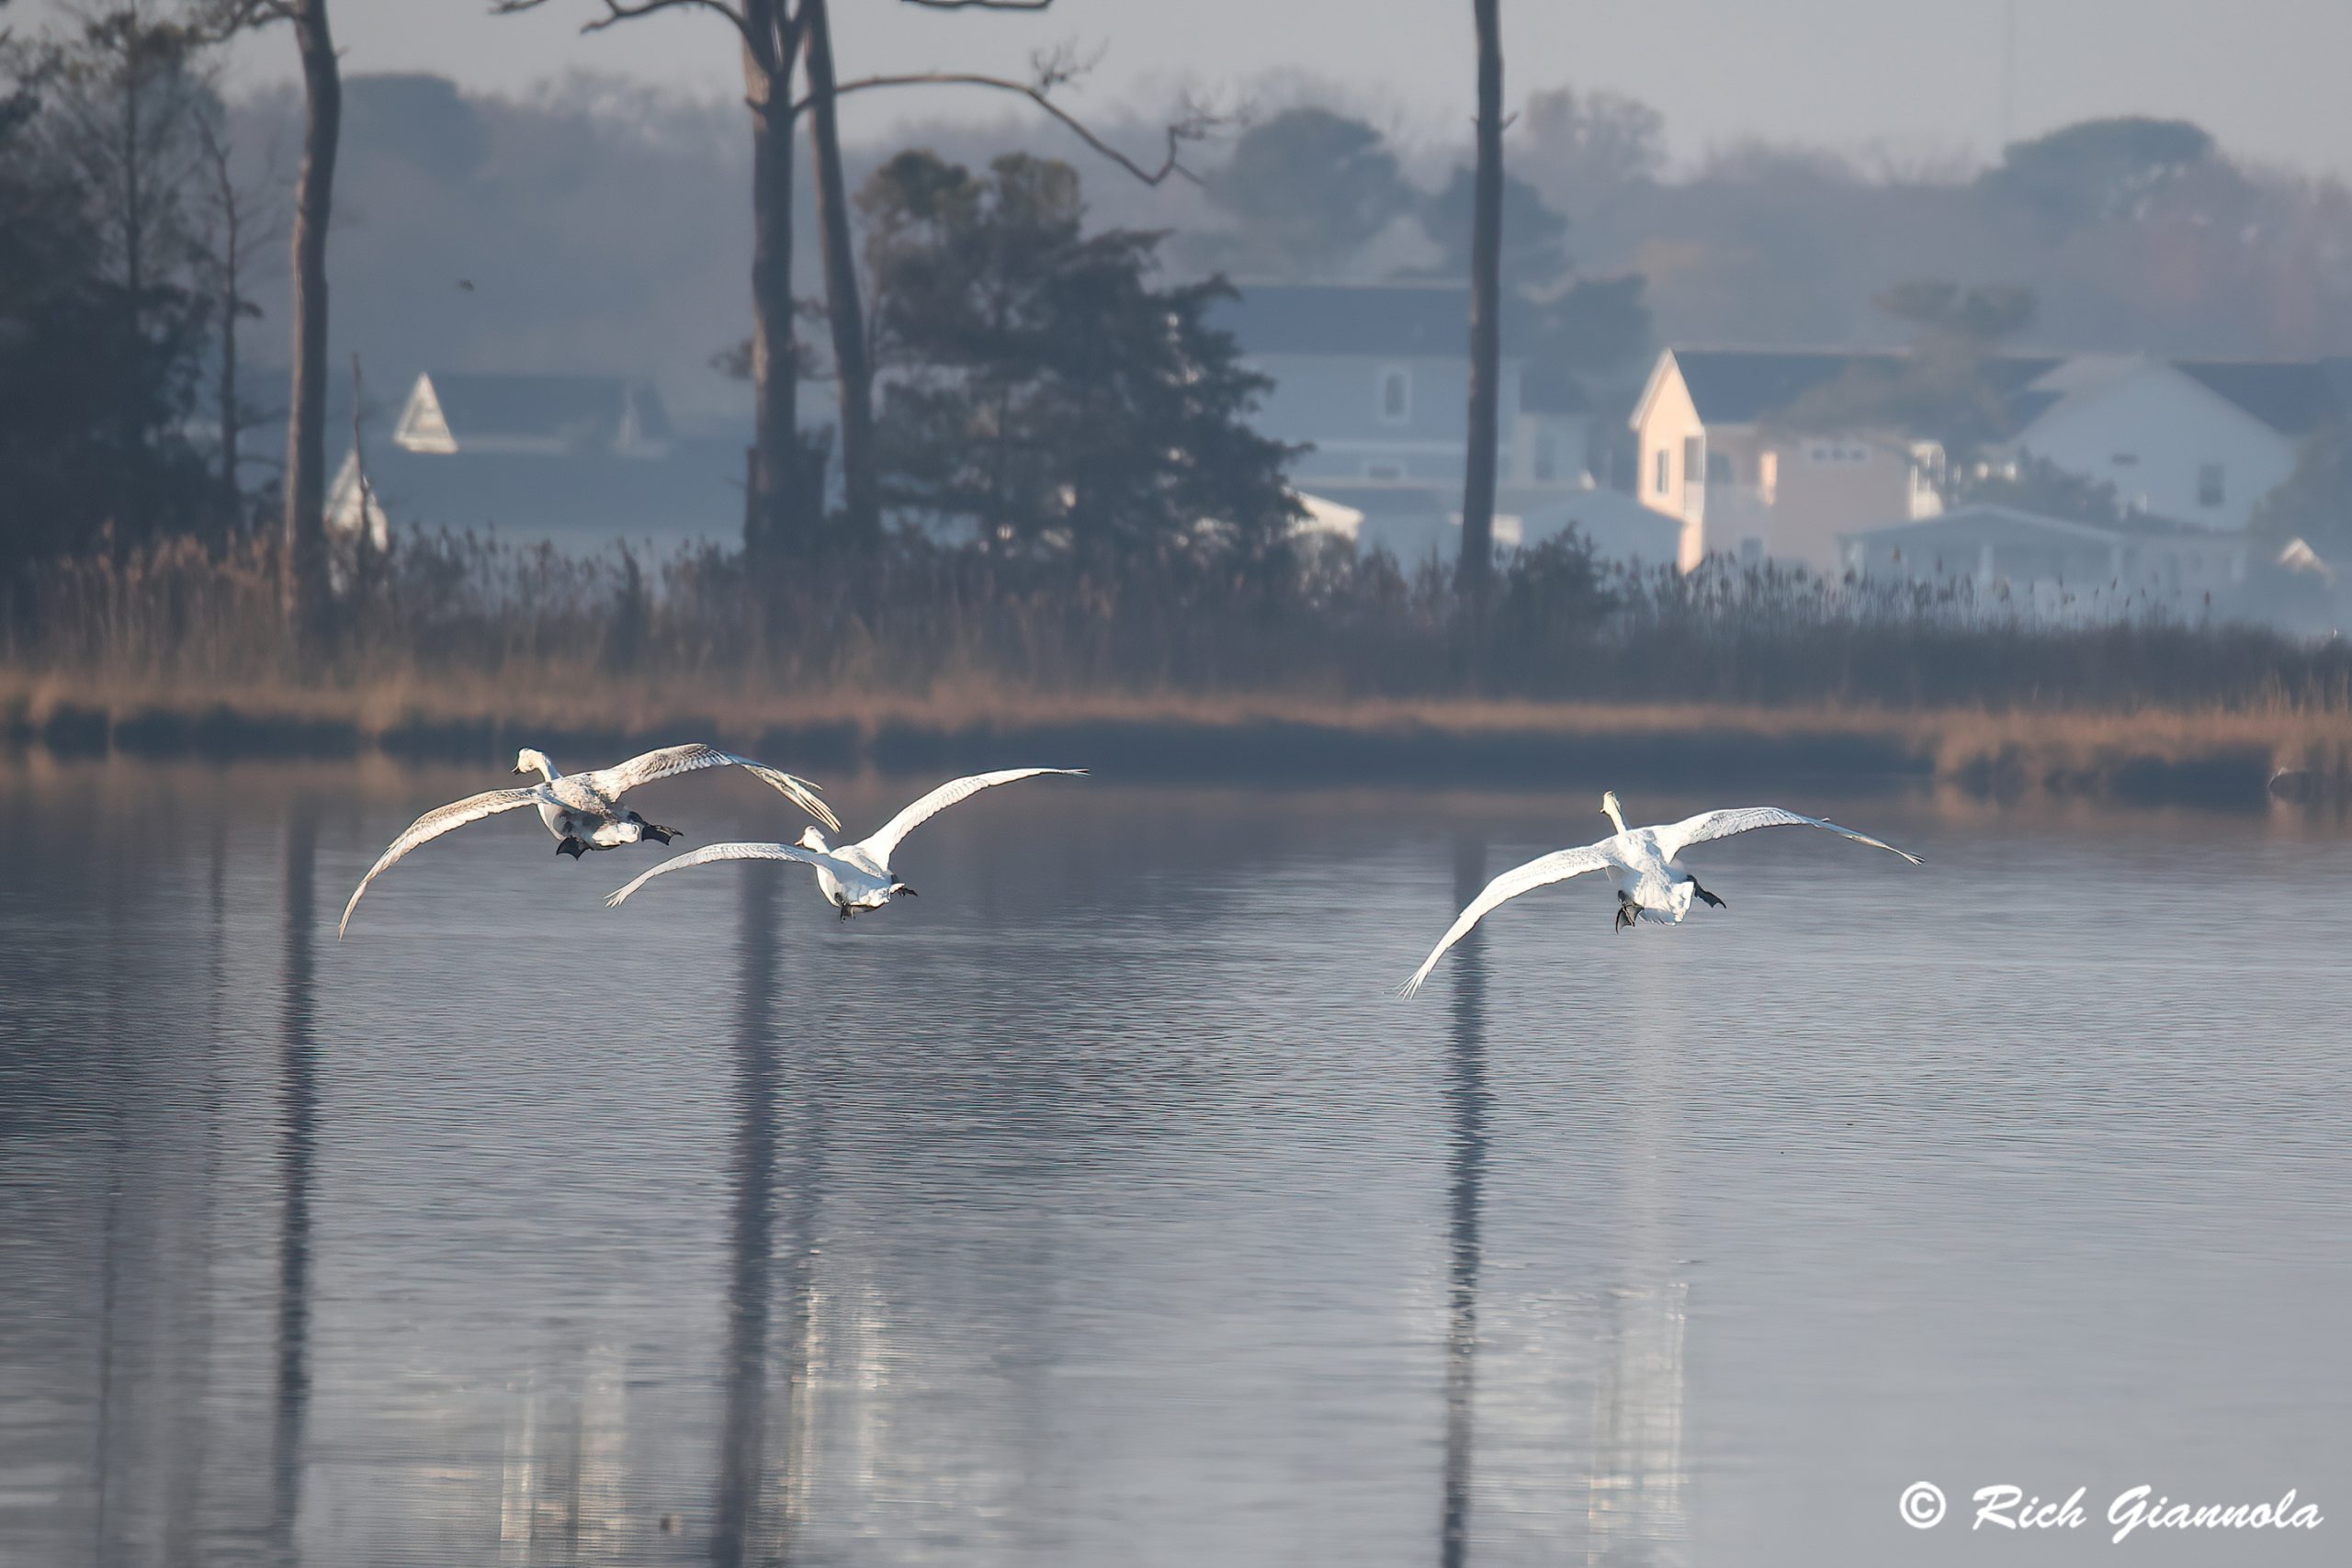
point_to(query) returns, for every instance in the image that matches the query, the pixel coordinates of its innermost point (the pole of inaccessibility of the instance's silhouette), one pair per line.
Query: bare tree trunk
(1476, 566)
(229, 431)
(231, 261)
(772, 520)
(856, 376)
(302, 572)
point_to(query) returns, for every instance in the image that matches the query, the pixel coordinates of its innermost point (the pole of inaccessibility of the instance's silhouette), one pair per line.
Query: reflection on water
(1102, 1208)
(1466, 1094)
(298, 1116)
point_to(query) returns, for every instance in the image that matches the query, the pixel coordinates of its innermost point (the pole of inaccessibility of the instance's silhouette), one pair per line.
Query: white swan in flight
(854, 877)
(1642, 865)
(583, 810)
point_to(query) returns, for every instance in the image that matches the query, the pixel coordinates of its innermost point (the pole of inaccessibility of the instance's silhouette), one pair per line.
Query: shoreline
(2212, 757)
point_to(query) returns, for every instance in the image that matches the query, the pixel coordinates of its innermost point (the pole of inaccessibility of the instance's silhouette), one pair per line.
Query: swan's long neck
(1616, 818)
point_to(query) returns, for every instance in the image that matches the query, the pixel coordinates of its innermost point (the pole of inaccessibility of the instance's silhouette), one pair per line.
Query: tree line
(142, 219)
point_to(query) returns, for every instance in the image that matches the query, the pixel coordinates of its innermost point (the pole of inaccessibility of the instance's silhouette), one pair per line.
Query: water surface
(1099, 1206)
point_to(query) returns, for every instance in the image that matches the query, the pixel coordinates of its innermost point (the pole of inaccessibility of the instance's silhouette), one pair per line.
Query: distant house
(1376, 377)
(578, 462)
(2056, 566)
(2200, 440)
(538, 415)
(1414, 523)
(1711, 456)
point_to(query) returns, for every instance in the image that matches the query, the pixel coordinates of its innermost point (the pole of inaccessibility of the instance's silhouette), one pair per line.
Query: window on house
(1694, 459)
(2208, 484)
(1395, 395)
(1659, 462)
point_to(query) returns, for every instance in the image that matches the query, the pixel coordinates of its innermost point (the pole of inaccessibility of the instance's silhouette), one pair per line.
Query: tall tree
(1045, 390)
(852, 360)
(854, 377)
(303, 595)
(96, 391)
(302, 567)
(1481, 450)
(1306, 188)
(126, 92)
(784, 490)
(236, 219)
(1536, 254)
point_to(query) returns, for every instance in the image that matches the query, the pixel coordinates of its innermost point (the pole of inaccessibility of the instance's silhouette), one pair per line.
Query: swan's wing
(710, 852)
(671, 760)
(880, 844)
(432, 825)
(1674, 839)
(1542, 872)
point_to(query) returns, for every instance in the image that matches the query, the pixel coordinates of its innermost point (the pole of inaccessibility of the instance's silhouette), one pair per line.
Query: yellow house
(1712, 457)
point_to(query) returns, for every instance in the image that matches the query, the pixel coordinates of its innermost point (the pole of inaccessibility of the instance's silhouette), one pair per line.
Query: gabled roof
(483, 406)
(2292, 397)
(1425, 320)
(1741, 386)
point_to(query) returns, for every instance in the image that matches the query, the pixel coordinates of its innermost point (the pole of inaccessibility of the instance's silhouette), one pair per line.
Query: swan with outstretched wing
(585, 811)
(852, 877)
(1642, 863)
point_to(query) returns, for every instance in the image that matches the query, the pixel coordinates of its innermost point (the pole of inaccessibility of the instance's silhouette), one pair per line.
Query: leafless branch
(628, 10)
(1193, 124)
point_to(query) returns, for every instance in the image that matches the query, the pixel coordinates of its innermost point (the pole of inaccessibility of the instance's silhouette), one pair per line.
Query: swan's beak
(519, 771)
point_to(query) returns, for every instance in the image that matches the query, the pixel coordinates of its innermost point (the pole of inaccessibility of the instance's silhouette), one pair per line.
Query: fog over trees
(595, 225)
(603, 226)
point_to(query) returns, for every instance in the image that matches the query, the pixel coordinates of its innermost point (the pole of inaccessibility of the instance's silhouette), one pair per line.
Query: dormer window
(1395, 395)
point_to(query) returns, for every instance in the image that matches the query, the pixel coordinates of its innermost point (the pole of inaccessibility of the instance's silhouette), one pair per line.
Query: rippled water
(1101, 1207)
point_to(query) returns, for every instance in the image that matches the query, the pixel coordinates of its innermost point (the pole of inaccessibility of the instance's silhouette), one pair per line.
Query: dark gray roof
(581, 499)
(1423, 320)
(589, 408)
(2292, 397)
(1740, 385)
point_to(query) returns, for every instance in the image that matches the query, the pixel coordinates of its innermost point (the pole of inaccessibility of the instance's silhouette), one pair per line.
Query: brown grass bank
(1340, 671)
(2210, 756)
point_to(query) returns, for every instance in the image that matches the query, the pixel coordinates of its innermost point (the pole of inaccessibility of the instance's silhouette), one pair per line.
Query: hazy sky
(1920, 76)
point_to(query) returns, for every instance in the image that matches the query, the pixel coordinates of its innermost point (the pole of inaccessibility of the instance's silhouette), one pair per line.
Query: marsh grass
(472, 636)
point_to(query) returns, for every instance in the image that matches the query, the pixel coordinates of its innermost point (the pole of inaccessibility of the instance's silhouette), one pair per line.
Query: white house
(1413, 523)
(1376, 378)
(2200, 441)
(1711, 456)
(2057, 567)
